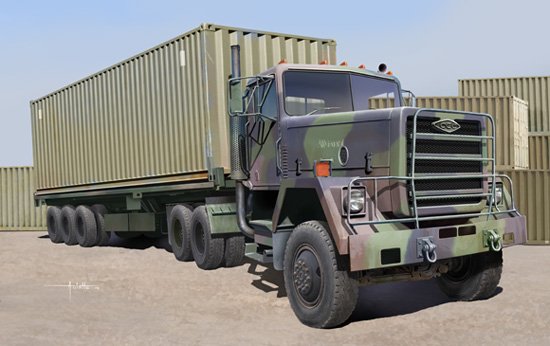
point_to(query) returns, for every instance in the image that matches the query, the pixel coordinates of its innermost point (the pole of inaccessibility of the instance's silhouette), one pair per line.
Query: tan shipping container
(532, 197)
(510, 114)
(157, 117)
(17, 209)
(539, 150)
(534, 90)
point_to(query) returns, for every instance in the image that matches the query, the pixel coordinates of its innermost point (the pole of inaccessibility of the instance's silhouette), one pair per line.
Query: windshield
(314, 92)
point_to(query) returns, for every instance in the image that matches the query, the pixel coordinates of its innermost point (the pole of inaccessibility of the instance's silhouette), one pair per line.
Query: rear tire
(179, 232)
(68, 225)
(86, 227)
(53, 218)
(103, 237)
(317, 281)
(208, 251)
(473, 277)
(234, 250)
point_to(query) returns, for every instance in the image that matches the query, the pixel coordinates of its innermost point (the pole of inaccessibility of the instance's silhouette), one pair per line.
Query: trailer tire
(86, 227)
(208, 251)
(103, 237)
(179, 232)
(68, 225)
(317, 280)
(234, 250)
(53, 220)
(475, 277)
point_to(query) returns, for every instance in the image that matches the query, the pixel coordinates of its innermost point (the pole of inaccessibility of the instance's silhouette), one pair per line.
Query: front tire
(318, 284)
(472, 277)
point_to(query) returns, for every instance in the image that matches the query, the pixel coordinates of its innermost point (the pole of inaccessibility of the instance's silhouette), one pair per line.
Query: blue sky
(427, 44)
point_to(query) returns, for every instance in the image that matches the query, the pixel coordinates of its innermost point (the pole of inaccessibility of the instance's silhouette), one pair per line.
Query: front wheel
(472, 277)
(318, 284)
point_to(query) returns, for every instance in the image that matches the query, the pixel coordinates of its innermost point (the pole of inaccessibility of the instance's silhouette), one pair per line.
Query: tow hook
(492, 240)
(425, 248)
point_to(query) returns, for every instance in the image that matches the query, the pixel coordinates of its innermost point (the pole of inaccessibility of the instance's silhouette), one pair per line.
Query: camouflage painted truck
(287, 165)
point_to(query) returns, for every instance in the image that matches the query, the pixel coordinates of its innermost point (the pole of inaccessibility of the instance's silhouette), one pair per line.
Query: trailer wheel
(68, 225)
(234, 250)
(208, 251)
(103, 236)
(472, 277)
(319, 287)
(179, 232)
(86, 227)
(53, 218)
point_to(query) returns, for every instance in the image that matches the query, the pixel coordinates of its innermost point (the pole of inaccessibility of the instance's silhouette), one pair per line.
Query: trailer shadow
(138, 243)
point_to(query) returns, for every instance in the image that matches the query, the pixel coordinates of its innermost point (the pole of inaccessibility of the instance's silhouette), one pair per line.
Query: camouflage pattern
(376, 141)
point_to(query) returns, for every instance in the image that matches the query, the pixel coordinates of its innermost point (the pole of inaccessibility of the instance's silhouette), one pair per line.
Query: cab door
(262, 136)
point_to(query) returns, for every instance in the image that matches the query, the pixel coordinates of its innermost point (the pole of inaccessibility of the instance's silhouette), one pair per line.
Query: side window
(309, 93)
(373, 93)
(269, 108)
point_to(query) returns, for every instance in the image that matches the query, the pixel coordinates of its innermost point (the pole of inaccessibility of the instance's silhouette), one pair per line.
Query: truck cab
(347, 184)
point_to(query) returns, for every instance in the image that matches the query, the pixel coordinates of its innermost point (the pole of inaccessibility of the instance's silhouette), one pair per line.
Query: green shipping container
(158, 117)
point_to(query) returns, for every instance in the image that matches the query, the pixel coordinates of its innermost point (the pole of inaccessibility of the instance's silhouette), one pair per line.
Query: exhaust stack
(237, 124)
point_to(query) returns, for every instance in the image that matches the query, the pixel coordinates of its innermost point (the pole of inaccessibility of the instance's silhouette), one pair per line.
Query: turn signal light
(362, 66)
(343, 63)
(283, 61)
(323, 168)
(323, 62)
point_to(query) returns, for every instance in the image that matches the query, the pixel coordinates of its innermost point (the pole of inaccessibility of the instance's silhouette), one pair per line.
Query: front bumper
(367, 246)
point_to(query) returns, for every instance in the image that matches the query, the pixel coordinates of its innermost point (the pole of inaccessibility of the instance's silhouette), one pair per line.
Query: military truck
(285, 163)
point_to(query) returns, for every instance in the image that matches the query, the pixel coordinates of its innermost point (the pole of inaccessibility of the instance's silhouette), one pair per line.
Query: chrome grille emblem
(446, 125)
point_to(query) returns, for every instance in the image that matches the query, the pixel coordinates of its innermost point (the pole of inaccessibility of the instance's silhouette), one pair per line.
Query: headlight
(356, 201)
(499, 194)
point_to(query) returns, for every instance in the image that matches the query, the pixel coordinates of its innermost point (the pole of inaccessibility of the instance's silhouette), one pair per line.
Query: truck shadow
(398, 298)
(374, 302)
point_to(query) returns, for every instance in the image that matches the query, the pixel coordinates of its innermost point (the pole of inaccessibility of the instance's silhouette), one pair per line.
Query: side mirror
(235, 97)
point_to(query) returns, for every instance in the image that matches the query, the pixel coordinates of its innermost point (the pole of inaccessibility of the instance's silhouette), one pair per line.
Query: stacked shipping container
(17, 209)
(532, 187)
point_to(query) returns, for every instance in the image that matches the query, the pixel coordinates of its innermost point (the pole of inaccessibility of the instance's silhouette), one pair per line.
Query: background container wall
(534, 90)
(17, 210)
(510, 114)
(532, 196)
(158, 116)
(539, 150)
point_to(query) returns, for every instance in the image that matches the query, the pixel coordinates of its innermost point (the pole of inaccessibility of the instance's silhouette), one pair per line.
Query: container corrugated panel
(532, 197)
(159, 116)
(510, 114)
(17, 209)
(534, 90)
(539, 150)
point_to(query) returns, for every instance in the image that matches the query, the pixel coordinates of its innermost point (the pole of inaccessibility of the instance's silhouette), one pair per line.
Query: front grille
(441, 147)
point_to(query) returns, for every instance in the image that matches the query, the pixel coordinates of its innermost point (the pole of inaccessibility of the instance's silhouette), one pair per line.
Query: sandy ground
(138, 293)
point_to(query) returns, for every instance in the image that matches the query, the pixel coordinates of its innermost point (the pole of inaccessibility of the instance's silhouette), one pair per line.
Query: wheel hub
(307, 277)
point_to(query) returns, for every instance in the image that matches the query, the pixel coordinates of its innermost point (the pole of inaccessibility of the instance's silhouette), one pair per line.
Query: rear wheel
(68, 225)
(472, 277)
(179, 232)
(208, 251)
(86, 227)
(103, 236)
(53, 218)
(234, 250)
(319, 287)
